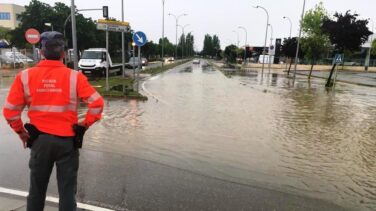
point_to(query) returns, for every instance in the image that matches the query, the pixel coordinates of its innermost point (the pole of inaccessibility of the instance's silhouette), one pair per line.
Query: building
(10, 15)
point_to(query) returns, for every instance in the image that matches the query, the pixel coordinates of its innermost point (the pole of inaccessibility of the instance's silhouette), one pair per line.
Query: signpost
(33, 37)
(139, 38)
(338, 59)
(115, 26)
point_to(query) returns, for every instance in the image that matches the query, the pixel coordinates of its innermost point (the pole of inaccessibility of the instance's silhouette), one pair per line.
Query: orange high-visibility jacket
(52, 93)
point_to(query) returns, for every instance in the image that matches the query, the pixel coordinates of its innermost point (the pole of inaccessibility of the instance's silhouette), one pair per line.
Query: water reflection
(254, 129)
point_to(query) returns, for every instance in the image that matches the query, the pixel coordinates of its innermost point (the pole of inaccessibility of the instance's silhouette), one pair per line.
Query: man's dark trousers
(45, 152)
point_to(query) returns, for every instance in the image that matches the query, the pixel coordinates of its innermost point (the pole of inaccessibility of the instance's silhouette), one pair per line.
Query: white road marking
(51, 199)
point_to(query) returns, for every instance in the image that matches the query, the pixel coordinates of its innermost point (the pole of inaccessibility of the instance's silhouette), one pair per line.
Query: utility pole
(122, 40)
(287, 18)
(183, 39)
(271, 43)
(266, 37)
(297, 47)
(369, 50)
(74, 35)
(245, 45)
(163, 39)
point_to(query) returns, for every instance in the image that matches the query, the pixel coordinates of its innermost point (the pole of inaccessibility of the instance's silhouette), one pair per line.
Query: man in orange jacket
(51, 92)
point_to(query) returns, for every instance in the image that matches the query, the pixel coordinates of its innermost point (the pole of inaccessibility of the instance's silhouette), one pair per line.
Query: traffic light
(105, 12)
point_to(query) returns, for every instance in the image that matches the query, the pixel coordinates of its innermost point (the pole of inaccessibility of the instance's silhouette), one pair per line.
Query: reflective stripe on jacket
(52, 93)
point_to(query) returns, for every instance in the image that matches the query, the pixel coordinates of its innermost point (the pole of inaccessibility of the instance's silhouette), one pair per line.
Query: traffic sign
(139, 38)
(115, 26)
(338, 59)
(32, 36)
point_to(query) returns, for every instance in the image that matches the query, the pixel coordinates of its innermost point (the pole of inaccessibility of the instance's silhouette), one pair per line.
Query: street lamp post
(237, 37)
(271, 43)
(298, 45)
(237, 44)
(176, 35)
(287, 18)
(163, 38)
(122, 40)
(368, 57)
(245, 45)
(266, 36)
(182, 41)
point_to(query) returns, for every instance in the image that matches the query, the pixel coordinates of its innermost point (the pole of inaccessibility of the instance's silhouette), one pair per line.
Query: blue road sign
(338, 59)
(139, 38)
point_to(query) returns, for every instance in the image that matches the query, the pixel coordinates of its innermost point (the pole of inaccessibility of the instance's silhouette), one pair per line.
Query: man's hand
(24, 136)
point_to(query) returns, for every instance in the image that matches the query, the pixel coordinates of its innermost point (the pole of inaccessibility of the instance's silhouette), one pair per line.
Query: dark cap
(52, 39)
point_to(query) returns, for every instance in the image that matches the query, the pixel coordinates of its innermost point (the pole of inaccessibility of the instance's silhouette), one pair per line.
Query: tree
(216, 46)
(208, 45)
(289, 50)
(150, 50)
(314, 41)
(230, 53)
(346, 33)
(212, 46)
(169, 48)
(373, 50)
(5, 33)
(190, 41)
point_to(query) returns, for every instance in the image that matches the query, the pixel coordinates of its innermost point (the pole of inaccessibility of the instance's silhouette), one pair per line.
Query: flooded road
(252, 130)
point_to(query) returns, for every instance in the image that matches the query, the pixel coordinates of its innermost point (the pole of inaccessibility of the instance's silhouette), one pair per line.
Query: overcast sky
(219, 17)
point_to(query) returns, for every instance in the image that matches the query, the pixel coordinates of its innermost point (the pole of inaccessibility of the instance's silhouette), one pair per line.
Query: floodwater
(254, 130)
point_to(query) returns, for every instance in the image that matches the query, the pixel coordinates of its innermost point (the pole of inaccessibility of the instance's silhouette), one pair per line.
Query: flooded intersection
(249, 130)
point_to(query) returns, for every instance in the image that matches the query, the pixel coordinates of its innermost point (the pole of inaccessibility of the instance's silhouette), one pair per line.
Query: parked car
(7, 62)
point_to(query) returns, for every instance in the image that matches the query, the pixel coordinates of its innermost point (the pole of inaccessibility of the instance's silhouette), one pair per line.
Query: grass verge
(123, 87)
(157, 70)
(119, 88)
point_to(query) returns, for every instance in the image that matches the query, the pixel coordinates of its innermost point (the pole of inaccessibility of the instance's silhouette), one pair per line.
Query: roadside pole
(163, 17)
(298, 45)
(139, 39)
(74, 35)
(14, 58)
(122, 40)
(139, 68)
(107, 85)
(34, 57)
(134, 60)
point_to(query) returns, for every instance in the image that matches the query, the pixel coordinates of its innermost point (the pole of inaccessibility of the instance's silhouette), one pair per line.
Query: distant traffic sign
(115, 26)
(32, 36)
(139, 38)
(338, 59)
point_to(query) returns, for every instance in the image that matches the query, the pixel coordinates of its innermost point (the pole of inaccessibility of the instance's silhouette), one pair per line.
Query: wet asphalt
(123, 182)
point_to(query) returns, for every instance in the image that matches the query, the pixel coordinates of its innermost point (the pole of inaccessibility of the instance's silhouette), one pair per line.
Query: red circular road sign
(32, 36)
